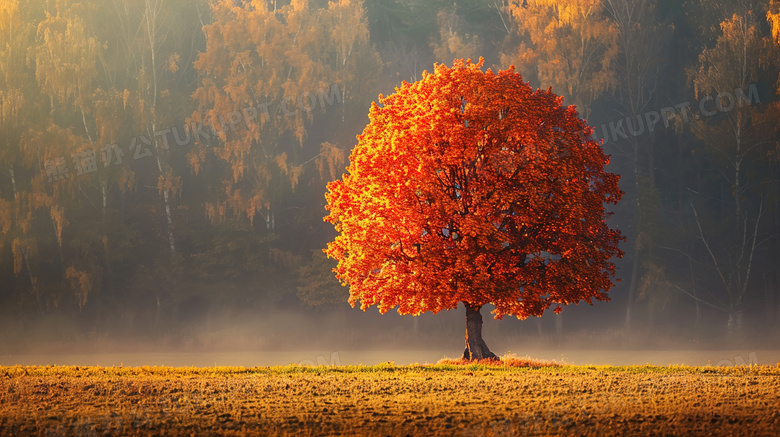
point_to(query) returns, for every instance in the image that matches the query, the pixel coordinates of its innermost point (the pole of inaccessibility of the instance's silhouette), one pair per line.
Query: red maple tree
(469, 186)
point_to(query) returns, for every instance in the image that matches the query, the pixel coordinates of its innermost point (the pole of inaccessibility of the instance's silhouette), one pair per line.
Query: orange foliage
(468, 186)
(773, 16)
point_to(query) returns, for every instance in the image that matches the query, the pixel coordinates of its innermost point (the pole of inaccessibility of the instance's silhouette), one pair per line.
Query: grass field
(521, 398)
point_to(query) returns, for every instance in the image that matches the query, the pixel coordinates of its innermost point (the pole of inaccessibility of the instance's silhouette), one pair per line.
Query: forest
(163, 163)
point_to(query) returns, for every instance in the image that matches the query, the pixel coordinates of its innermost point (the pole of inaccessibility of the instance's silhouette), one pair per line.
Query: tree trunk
(171, 240)
(476, 349)
(13, 182)
(104, 191)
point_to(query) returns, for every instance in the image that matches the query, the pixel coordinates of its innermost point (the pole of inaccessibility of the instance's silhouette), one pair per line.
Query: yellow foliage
(283, 57)
(58, 218)
(331, 161)
(281, 162)
(257, 203)
(6, 221)
(258, 5)
(774, 20)
(9, 11)
(570, 44)
(773, 16)
(196, 158)
(109, 108)
(169, 183)
(451, 44)
(15, 38)
(299, 5)
(173, 63)
(81, 283)
(65, 58)
(21, 250)
(11, 102)
(719, 69)
(295, 174)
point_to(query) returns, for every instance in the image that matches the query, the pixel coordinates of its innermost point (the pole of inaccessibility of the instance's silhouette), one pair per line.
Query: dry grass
(509, 360)
(442, 399)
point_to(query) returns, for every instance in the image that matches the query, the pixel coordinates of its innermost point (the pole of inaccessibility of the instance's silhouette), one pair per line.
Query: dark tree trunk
(476, 349)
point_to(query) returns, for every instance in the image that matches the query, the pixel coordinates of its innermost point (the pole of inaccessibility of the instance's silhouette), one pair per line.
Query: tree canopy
(469, 186)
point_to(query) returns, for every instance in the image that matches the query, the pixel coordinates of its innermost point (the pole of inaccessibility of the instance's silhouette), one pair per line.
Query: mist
(163, 166)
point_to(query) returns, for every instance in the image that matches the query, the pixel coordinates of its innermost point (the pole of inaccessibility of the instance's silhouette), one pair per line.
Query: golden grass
(509, 360)
(519, 396)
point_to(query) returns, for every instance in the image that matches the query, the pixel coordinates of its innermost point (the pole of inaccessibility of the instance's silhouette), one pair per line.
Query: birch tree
(736, 136)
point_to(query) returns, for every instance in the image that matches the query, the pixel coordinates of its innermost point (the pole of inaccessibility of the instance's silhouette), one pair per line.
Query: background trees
(19, 100)
(570, 46)
(641, 37)
(738, 142)
(158, 155)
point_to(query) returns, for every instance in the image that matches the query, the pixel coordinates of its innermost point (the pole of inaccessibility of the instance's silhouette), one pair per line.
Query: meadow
(520, 397)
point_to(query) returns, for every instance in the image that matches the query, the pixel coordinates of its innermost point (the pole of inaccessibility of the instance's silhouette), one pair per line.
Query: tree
(468, 186)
